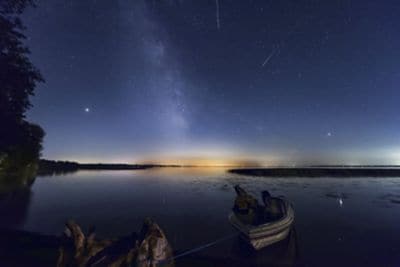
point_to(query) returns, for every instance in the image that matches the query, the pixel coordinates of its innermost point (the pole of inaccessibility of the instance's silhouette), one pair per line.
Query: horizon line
(228, 165)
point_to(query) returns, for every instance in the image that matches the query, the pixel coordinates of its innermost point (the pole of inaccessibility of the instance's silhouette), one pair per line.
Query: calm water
(339, 221)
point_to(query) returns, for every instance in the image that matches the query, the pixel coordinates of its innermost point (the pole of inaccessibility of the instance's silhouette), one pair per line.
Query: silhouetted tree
(20, 141)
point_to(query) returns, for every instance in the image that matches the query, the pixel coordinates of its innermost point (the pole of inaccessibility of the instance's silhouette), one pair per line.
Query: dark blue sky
(274, 82)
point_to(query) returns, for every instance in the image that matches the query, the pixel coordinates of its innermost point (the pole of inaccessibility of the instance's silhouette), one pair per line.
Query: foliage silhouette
(20, 141)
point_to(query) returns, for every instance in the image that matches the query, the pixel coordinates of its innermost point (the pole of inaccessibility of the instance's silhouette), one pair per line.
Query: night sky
(218, 82)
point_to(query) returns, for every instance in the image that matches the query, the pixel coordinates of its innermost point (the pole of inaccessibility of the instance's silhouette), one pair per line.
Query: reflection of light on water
(340, 202)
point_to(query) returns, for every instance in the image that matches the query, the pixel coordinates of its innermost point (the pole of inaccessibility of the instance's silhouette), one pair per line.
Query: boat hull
(259, 243)
(263, 235)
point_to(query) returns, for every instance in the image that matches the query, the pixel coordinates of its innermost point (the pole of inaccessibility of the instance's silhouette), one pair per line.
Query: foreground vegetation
(20, 140)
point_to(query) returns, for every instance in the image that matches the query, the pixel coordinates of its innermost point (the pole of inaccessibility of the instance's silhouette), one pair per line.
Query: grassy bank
(321, 172)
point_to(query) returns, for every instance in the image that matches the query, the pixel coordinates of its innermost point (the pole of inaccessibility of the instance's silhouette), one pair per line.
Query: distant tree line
(20, 140)
(54, 167)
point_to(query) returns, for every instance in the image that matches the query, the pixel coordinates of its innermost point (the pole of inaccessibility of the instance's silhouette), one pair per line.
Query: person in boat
(273, 209)
(246, 207)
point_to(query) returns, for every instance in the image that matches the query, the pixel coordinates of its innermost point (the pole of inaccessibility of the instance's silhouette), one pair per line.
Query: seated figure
(273, 208)
(249, 211)
(246, 206)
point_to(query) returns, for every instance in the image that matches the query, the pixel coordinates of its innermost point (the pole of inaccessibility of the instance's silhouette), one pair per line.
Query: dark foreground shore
(21, 248)
(320, 172)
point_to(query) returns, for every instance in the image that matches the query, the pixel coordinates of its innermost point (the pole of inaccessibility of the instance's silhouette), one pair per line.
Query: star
(329, 134)
(87, 110)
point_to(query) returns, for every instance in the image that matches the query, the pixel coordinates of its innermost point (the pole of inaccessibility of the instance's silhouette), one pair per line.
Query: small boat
(262, 235)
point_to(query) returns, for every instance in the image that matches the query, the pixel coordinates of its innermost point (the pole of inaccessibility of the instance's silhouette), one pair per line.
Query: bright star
(87, 109)
(329, 134)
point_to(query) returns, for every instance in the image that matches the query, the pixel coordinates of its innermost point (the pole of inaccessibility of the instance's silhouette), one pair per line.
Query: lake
(338, 221)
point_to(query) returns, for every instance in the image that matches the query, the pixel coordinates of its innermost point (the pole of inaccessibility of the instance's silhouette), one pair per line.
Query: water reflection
(15, 197)
(352, 222)
(282, 254)
(238, 253)
(14, 207)
(392, 198)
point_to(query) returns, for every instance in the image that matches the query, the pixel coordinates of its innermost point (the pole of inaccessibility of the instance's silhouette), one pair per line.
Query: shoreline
(50, 167)
(347, 171)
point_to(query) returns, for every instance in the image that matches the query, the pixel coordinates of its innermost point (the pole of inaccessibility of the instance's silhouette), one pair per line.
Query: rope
(196, 249)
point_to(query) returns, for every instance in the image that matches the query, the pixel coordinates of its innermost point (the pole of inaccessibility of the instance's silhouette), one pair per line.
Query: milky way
(272, 82)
